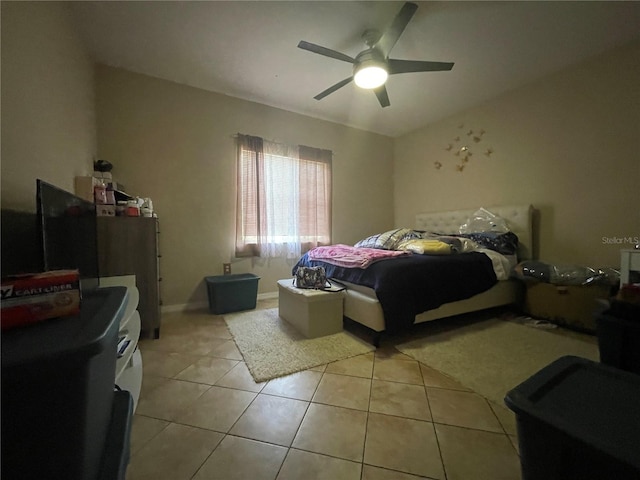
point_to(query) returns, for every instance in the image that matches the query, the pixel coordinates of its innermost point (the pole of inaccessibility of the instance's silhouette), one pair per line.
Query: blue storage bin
(578, 419)
(232, 293)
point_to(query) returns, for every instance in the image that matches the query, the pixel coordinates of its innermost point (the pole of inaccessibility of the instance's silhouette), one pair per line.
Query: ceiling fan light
(370, 76)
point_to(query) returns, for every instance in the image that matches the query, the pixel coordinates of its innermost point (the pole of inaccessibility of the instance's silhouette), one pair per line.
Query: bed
(363, 305)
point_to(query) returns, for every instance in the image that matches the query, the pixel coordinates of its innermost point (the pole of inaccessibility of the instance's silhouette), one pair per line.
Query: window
(284, 198)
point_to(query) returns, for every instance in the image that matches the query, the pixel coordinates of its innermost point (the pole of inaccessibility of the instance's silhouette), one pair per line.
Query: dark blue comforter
(412, 284)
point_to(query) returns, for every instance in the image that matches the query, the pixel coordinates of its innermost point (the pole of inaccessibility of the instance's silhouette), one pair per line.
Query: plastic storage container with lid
(232, 293)
(60, 415)
(578, 419)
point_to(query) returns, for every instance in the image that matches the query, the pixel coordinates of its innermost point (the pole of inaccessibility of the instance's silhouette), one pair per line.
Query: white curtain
(283, 198)
(281, 235)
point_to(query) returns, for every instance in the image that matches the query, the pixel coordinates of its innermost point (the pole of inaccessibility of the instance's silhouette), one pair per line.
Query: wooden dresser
(129, 246)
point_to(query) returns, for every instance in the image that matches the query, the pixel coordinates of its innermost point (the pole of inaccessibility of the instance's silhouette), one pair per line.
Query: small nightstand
(629, 262)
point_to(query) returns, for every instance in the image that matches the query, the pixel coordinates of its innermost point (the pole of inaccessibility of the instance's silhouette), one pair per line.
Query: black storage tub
(578, 419)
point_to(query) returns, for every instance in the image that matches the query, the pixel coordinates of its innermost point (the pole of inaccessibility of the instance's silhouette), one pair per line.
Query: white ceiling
(249, 50)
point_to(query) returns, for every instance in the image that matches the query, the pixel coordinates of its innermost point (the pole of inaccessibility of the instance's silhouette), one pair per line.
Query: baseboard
(183, 307)
(268, 295)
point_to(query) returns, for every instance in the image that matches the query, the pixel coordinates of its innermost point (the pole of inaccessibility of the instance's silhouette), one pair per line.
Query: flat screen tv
(68, 232)
(20, 247)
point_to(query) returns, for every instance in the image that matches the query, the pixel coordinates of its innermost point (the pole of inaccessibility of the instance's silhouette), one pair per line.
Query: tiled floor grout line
(299, 425)
(435, 432)
(495, 414)
(208, 456)
(156, 434)
(283, 462)
(366, 424)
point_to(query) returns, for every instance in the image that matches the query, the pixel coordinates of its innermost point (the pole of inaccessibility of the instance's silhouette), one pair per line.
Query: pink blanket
(352, 257)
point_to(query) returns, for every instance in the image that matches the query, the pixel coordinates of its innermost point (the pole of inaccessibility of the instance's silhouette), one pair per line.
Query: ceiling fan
(372, 66)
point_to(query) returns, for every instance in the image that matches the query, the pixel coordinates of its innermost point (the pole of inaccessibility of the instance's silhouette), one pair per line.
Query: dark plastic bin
(618, 332)
(578, 419)
(57, 391)
(232, 293)
(118, 444)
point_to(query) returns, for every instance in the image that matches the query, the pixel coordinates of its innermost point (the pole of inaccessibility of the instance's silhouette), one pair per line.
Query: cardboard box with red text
(32, 298)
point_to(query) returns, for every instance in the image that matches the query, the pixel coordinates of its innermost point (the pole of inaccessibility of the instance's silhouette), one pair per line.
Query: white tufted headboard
(518, 217)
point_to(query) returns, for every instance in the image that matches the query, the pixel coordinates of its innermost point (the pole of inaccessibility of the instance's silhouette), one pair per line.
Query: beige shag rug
(493, 356)
(272, 348)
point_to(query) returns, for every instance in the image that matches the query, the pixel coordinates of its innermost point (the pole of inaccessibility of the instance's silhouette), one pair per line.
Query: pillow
(425, 246)
(458, 243)
(504, 243)
(387, 240)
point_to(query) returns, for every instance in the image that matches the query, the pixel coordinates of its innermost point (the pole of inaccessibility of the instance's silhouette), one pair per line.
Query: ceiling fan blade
(333, 88)
(383, 97)
(406, 66)
(327, 52)
(393, 32)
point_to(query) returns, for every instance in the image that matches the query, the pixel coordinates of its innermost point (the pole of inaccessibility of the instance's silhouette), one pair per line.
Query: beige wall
(175, 144)
(48, 120)
(568, 144)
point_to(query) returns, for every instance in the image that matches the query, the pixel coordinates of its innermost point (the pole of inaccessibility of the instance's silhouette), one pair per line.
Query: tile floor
(378, 416)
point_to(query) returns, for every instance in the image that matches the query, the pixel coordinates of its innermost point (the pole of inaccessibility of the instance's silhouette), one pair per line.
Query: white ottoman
(313, 313)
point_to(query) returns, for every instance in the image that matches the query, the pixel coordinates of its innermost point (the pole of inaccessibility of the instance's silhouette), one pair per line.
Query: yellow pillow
(426, 246)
